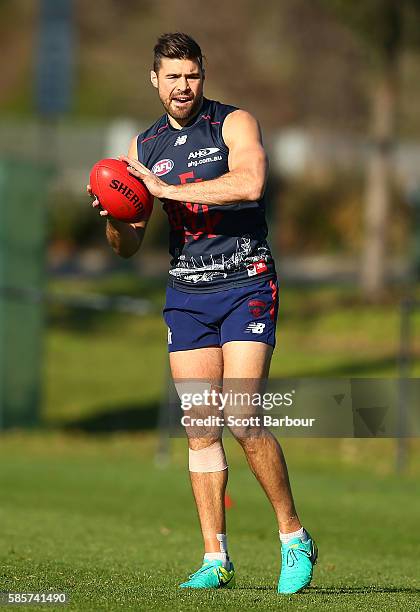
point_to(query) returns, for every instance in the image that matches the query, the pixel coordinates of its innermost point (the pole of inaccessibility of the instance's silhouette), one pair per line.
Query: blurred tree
(291, 63)
(288, 62)
(384, 27)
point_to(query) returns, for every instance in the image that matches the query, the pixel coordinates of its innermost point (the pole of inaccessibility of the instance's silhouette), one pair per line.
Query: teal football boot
(297, 563)
(211, 575)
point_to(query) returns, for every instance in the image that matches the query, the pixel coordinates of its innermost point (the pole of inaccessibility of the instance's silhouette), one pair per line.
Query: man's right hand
(124, 238)
(95, 203)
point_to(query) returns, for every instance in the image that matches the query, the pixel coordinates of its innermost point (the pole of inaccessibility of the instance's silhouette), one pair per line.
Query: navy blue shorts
(197, 320)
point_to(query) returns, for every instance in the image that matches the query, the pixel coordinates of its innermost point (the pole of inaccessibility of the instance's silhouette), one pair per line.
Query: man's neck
(178, 124)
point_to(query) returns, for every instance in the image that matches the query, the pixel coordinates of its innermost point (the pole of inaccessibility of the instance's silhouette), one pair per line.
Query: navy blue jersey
(213, 247)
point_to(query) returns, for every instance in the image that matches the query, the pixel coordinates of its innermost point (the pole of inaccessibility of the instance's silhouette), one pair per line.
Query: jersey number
(197, 217)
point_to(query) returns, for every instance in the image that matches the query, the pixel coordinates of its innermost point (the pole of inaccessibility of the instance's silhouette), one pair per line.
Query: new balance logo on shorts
(254, 328)
(169, 336)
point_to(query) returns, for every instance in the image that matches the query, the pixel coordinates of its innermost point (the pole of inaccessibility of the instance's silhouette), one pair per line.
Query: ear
(154, 78)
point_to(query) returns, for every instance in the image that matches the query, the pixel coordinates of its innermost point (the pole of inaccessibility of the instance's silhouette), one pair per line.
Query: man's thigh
(197, 373)
(250, 360)
(246, 368)
(200, 363)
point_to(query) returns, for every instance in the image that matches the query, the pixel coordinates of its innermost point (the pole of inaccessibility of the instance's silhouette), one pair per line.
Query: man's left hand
(154, 184)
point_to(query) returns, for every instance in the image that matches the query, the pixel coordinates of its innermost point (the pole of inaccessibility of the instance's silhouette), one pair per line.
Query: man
(205, 161)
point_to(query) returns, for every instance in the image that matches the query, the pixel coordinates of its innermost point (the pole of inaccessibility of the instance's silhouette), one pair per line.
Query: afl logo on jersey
(163, 166)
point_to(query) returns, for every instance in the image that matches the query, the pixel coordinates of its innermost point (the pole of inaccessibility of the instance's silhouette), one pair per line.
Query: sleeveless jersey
(213, 247)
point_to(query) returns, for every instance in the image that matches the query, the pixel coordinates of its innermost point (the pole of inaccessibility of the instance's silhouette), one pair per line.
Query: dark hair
(176, 45)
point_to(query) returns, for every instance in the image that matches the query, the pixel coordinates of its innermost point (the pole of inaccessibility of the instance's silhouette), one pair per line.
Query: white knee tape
(209, 459)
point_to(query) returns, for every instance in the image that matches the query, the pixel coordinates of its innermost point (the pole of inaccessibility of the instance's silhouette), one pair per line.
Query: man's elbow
(256, 182)
(255, 191)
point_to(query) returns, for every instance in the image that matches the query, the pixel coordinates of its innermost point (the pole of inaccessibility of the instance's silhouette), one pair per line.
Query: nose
(183, 84)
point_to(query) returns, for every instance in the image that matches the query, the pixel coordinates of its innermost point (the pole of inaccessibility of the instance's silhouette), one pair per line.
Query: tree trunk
(378, 186)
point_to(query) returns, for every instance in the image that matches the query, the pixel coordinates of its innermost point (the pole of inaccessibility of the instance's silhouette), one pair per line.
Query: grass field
(98, 365)
(95, 518)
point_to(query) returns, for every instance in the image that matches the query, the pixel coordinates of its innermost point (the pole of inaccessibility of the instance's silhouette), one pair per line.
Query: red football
(123, 195)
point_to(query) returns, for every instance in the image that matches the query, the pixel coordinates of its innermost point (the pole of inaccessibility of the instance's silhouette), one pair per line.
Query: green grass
(95, 517)
(98, 364)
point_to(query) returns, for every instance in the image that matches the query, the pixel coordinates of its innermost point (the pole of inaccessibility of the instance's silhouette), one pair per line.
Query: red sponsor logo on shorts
(256, 307)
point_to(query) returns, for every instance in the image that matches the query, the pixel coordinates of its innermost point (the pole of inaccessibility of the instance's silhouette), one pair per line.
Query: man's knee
(250, 437)
(246, 430)
(206, 455)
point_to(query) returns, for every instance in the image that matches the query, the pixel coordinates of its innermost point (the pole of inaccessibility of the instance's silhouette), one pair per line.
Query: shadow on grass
(126, 418)
(339, 590)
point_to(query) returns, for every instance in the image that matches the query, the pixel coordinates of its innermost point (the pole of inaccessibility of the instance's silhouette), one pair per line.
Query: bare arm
(245, 180)
(124, 238)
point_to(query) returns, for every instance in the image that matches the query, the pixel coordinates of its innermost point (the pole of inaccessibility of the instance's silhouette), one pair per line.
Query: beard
(183, 111)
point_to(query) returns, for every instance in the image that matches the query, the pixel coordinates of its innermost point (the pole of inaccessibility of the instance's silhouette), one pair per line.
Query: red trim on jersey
(155, 135)
(165, 126)
(209, 117)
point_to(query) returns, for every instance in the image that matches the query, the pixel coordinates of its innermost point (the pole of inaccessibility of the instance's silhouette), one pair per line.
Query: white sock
(222, 555)
(300, 533)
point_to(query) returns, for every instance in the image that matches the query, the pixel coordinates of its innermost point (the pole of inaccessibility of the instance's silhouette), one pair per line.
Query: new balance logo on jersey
(255, 328)
(181, 140)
